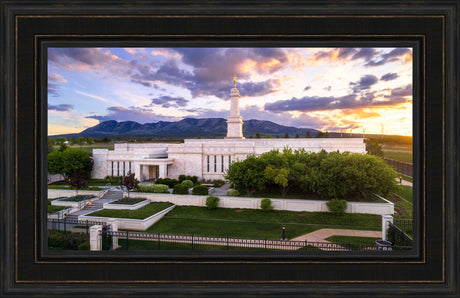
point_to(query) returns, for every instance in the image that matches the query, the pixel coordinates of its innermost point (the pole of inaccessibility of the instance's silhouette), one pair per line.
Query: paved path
(221, 191)
(321, 235)
(404, 182)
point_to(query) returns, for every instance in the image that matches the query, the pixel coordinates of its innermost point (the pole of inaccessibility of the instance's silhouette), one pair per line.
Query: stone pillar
(386, 219)
(113, 222)
(162, 170)
(95, 238)
(234, 121)
(137, 171)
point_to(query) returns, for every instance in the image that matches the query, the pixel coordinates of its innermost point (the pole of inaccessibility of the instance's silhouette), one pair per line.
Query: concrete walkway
(404, 182)
(321, 235)
(221, 191)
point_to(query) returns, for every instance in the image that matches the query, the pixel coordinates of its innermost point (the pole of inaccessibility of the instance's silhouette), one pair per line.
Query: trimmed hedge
(180, 189)
(200, 190)
(155, 188)
(337, 206)
(68, 240)
(233, 192)
(212, 202)
(266, 205)
(194, 179)
(188, 183)
(168, 181)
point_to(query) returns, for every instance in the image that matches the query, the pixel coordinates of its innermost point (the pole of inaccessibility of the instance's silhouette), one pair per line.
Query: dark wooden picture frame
(430, 28)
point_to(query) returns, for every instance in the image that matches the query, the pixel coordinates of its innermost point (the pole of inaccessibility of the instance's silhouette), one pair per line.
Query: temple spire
(234, 120)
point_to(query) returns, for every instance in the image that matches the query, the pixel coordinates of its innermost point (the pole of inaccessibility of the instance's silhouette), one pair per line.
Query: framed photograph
(218, 84)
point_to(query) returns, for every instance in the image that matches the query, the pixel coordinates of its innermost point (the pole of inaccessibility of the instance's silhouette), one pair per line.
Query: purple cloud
(364, 83)
(60, 107)
(389, 76)
(168, 101)
(139, 115)
(307, 88)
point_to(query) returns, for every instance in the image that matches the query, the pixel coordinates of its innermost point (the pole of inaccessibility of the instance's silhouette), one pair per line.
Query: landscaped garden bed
(78, 198)
(141, 213)
(52, 208)
(128, 201)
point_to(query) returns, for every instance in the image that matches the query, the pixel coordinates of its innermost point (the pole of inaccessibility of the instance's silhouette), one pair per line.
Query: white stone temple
(205, 158)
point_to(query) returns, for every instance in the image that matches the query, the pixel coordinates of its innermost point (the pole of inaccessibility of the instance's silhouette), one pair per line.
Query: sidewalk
(404, 182)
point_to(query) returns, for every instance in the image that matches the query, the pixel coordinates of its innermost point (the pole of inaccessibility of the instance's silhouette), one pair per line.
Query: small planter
(383, 245)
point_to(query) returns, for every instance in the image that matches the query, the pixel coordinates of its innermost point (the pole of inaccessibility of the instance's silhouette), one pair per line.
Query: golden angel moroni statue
(234, 80)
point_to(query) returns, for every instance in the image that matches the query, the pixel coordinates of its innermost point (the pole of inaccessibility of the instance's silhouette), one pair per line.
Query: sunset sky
(332, 89)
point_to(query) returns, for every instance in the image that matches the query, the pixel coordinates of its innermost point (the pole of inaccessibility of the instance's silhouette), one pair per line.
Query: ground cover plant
(140, 213)
(52, 209)
(78, 198)
(153, 188)
(60, 240)
(129, 201)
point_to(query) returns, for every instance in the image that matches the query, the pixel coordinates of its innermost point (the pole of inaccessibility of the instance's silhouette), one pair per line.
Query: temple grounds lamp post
(283, 228)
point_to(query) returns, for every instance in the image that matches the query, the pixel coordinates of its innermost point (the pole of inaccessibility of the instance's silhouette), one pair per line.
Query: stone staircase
(109, 196)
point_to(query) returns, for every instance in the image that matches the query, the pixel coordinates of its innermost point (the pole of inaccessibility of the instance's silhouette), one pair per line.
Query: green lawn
(404, 177)
(153, 245)
(129, 201)
(401, 156)
(405, 192)
(140, 213)
(52, 209)
(278, 216)
(352, 239)
(78, 198)
(403, 202)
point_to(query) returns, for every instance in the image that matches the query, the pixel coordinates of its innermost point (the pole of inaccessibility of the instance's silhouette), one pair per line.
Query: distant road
(400, 151)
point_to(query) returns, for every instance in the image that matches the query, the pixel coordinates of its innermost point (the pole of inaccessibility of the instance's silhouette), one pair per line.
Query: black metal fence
(405, 225)
(401, 167)
(148, 241)
(65, 223)
(397, 236)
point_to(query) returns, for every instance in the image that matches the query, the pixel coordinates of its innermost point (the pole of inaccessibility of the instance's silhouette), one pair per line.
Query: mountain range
(186, 128)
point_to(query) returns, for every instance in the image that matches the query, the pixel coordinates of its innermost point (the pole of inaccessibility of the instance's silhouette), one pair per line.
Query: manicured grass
(404, 177)
(352, 239)
(405, 192)
(402, 201)
(233, 229)
(52, 209)
(140, 213)
(78, 198)
(129, 201)
(153, 245)
(401, 156)
(310, 196)
(278, 216)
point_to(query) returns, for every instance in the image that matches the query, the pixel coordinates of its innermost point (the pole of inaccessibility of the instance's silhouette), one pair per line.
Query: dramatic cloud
(307, 88)
(351, 101)
(364, 83)
(133, 114)
(54, 77)
(60, 107)
(328, 88)
(168, 101)
(53, 88)
(392, 56)
(389, 76)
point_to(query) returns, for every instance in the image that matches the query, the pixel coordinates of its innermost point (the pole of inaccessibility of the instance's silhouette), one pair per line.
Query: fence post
(114, 227)
(158, 241)
(192, 241)
(94, 234)
(127, 240)
(65, 226)
(385, 225)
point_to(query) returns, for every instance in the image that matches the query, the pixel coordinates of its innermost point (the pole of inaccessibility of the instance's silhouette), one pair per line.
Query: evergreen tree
(257, 135)
(286, 135)
(308, 135)
(297, 135)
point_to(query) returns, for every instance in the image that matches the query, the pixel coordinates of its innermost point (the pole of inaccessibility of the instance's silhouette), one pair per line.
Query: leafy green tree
(63, 147)
(257, 135)
(72, 141)
(106, 140)
(129, 182)
(248, 174)
(80, 140)
(60, 140)
(51, 143)
(69, 161)
(308, 135)
(320, 135)
(89, 140)
(374, 147)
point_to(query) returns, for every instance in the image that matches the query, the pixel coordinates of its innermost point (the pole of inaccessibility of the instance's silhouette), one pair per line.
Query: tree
(257, 135)
(63, 147)
(248, 174)
(77, 180)
(60, 140)
(286, 135)
(320, 135)
(308, 135)
(106, 140)
(51, 143)
(69, 161)
(374, 147)
(129, 182)
(268, 136)
(89, 140)
(80, 141)
(326, 135)
(297, 135)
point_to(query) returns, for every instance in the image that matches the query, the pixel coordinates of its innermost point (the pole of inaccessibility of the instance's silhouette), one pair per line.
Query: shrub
(212, 202)
(168, 181)
(266, 205)
(337, 206)
(233, 192)
(218, 182)
(180, 189)
(113, 179)
(95, 188)
(200, 190)
(187, 183)
(194, 179)
(51, 186)
(156, 188)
